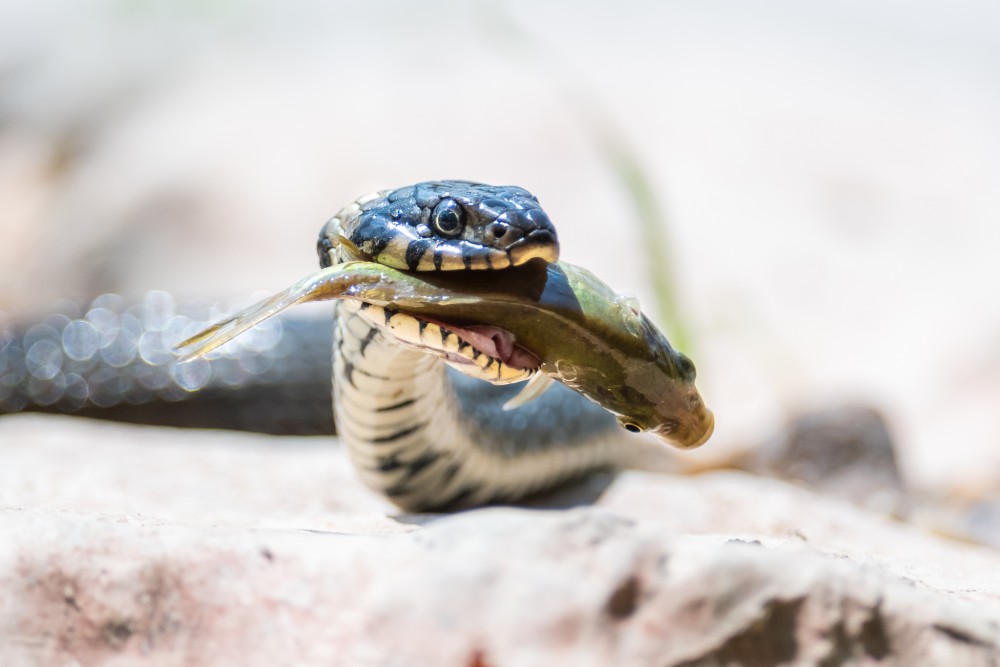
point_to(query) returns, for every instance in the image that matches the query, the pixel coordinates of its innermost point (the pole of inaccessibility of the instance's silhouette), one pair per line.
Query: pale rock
(123, 545)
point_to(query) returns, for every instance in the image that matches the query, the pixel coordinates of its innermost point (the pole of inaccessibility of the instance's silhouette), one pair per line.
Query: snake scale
(419, 423)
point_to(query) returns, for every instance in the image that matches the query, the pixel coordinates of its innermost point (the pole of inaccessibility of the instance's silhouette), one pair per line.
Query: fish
(557, 317)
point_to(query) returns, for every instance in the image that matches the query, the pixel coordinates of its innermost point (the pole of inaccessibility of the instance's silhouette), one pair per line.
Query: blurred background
(806, 194)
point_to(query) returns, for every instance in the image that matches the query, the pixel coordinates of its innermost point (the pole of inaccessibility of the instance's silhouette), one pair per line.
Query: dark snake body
(113, 360)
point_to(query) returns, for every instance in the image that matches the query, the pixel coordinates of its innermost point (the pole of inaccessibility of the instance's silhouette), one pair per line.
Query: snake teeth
(487, 353)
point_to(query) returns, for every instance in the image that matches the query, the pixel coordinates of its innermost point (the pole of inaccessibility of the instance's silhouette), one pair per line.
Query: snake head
(445, 226)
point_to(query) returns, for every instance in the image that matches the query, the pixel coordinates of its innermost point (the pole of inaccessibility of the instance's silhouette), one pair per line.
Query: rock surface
(212, 548)
(845, 451)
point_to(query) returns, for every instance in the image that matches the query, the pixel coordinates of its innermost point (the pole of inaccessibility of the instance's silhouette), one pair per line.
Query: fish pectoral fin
(532, 389)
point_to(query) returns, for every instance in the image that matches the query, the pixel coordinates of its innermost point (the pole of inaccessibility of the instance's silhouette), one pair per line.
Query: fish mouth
(709, 429)
(697, 433)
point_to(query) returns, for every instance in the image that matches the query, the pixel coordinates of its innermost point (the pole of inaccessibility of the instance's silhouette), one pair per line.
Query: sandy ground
(828, 171)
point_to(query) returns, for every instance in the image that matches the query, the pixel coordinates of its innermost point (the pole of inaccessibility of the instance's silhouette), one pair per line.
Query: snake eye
(447, 218)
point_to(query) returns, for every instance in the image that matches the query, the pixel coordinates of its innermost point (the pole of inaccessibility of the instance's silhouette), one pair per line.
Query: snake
(428, 358)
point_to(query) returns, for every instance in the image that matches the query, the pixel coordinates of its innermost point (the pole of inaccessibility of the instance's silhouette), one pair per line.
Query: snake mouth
(485, 351)
(492, 341)
(538, 244)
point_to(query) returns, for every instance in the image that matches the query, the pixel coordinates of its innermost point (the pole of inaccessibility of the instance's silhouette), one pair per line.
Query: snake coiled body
(423, 367)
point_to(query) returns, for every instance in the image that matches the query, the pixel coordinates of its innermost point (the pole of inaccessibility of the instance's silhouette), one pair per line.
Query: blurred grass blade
(613, 144)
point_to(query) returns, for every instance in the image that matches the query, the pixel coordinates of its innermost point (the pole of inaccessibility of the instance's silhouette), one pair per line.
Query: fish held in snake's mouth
(556, 318)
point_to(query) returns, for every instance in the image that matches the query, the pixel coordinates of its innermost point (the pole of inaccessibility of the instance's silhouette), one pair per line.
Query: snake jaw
(539, 244)
(498, 343)
(530, 235)
(485, 352)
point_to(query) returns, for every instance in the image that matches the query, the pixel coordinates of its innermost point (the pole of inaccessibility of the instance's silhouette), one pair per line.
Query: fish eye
(447, 218)
(631, 428)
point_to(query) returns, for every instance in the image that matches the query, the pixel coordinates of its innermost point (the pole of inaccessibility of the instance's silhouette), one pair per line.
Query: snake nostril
(498, 229)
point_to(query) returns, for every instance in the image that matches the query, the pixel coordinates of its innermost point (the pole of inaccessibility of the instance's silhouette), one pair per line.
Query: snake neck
(411, 435)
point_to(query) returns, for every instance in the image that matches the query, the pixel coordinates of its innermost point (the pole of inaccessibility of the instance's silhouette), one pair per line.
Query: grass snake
(419, 423)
